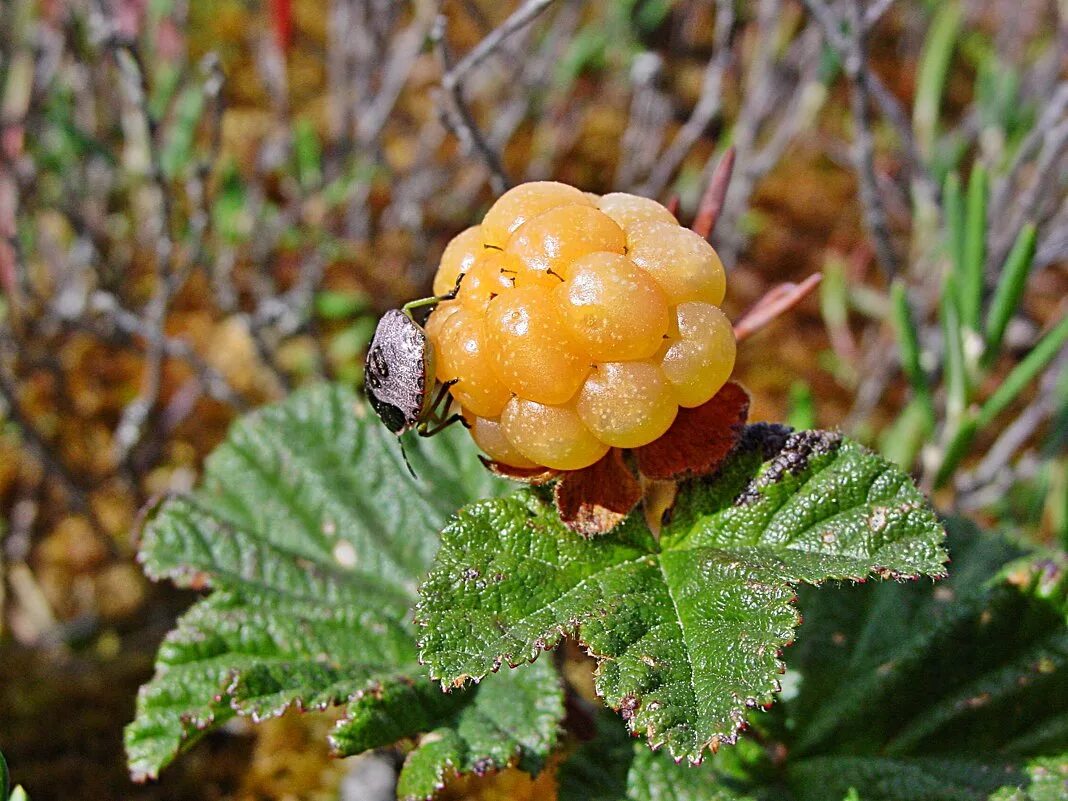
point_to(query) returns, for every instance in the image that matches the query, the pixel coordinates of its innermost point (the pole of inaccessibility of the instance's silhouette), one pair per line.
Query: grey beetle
(399, 373)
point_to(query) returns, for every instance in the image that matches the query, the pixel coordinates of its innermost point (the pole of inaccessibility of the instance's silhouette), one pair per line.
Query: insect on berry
(399, 373)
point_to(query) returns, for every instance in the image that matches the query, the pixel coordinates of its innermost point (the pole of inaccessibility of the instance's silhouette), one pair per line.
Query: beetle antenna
(404, 455)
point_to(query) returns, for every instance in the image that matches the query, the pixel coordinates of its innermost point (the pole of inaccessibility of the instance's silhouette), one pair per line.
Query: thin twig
(458, 114)
(398, 67)
(518, 20)
(52, 464)
(875, 12)
(888, 104)
(128, 323)
(708, 105)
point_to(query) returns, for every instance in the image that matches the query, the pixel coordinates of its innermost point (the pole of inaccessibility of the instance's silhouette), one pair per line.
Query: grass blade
(955, 451)
(1010, 289)
(955, 377)
(909, 346)
(973, 253)
(1024, 372)
(934, 65)
(902, 441)
(954, 206)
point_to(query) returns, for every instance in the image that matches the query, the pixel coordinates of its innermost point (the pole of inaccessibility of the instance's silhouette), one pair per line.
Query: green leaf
(313, 535)
(686, 630)
(512, 721)
(930, 691)
(887, 779)
(613, 767)
(6, 791)
(1046, 780)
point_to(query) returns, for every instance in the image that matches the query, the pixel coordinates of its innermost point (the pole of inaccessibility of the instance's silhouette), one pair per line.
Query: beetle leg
(443, 393)
(425, 430)
(434, 300)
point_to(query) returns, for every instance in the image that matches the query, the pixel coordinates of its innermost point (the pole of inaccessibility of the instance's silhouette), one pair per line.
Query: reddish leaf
(699, 439)
(595, 500)
(282, 18)
(708, 210)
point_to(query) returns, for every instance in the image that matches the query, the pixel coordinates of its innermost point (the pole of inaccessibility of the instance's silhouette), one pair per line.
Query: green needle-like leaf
(934, 64)
(1010, 289)
(313, 536)
(909, 345)
(687, 629)
(953, 343)
(1024, 372)
(954, 206)
(973, 257)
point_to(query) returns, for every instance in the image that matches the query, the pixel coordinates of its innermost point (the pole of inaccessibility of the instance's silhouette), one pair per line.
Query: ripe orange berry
(525, 202)
(532, 353)
(627, 404)
(699, 360)
(628, 211)
(614, 310)
(492, 273)
(457, 258)
(462, 353)
(682, 262)
(550, 242)
(489, 436)
(581, 323)
(553, 436)
(437, 319)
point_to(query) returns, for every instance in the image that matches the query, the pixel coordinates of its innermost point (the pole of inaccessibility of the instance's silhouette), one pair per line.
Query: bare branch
(458, 114)
(518, 20)
(708, 105)
(888, 105)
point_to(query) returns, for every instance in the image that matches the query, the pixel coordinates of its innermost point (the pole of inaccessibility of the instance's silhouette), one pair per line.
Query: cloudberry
(523, 203)
(699, 360)
(581, 323)
(682, 262)
(459, 256)
(553, 436)
(463, 356)
(533, 353)
(613, 309)
(549, 243)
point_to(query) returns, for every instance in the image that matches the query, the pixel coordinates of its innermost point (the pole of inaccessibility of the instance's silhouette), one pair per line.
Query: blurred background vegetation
(206, 203)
